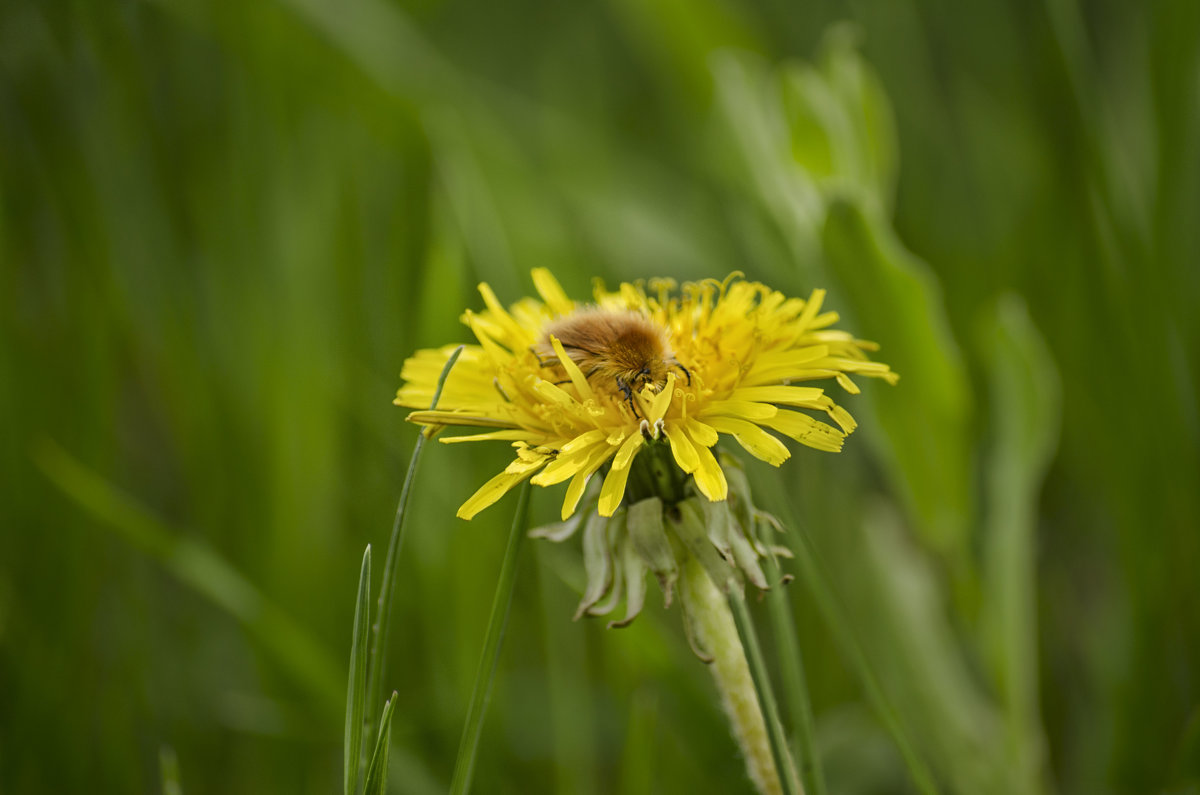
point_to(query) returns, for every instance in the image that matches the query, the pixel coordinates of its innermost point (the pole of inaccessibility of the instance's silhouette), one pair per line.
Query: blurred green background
(223, 226)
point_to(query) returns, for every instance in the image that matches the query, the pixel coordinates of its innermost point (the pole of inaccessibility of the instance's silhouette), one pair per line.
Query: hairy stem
(713, 624)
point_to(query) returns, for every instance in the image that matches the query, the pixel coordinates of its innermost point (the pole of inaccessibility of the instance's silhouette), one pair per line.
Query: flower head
(577, 387)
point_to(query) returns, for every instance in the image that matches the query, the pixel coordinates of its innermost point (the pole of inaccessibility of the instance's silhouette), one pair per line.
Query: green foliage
(489, 658)
(223, 226)
(377, 771)
(356, 688)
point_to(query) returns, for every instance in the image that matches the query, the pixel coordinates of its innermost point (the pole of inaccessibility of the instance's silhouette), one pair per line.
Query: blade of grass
(482, 692)
(168, 763)
(1025, 389)
(376, 781)
(822, 592)
(794, 689)
(356, 689)
(766, 694)
(202, 569)
(387, 587)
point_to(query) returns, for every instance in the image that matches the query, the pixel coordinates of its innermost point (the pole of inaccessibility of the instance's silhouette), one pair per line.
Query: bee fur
(625, 347)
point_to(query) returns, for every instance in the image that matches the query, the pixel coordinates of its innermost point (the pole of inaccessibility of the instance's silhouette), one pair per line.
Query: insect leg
(685, 372)
(542, 362)
(623, 385)
(500, 389)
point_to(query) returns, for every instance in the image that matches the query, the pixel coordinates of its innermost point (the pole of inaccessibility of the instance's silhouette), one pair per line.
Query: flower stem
(716, 621)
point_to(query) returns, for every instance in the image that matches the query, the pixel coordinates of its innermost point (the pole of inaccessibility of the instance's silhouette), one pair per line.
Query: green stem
(379, 642)
(485, 675)
(741, 678)
(792, 670)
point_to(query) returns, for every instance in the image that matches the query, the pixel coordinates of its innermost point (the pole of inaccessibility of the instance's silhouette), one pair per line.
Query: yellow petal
(566, 465)
(583, 440)
(579, 483)
(573, 372)
(743, 409)
(847, 384)
(701, 434)
(614, 484)
(510, 436)
(709, 477)
(552, 392)
(841, 417)
(490, 347)
(775, 367)
(823, 320)
(754, 439)
(515, 331)
(526, 464)
(811, 308)
(682, 448)
(480, 419)
(552, 292)
(806, 430)
(489, 492)
(658, 407)
(805, 396)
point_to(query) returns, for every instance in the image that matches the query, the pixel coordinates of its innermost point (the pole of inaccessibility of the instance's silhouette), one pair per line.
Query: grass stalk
(376, 780)
(387, 587)
(481, 693)
(814, 576)
(356, 689)
(795, 690)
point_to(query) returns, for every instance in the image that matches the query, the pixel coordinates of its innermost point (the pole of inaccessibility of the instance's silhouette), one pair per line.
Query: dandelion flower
(582, 388)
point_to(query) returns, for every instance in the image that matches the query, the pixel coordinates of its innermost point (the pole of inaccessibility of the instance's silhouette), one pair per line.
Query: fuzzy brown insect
(626, 347)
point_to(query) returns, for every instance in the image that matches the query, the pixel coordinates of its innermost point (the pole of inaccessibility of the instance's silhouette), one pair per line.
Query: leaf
(1024, 388)
(897, 302)
(356, 689)
(376, 782)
